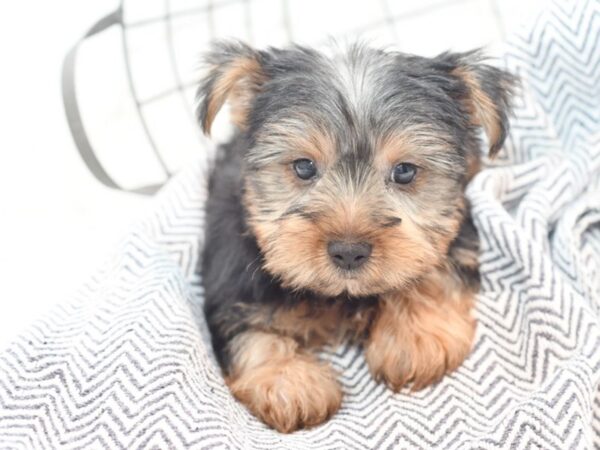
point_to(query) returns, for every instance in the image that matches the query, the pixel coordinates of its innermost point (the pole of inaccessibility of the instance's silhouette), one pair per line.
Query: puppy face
(356, 164)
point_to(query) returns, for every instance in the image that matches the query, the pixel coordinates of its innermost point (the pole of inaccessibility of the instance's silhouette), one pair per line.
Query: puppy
(337, 211)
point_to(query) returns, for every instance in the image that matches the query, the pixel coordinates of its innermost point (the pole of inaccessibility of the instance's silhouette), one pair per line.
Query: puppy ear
(486, 93)
(235, 74)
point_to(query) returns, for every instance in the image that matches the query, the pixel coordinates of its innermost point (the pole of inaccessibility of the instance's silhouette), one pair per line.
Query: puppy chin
(348, 284)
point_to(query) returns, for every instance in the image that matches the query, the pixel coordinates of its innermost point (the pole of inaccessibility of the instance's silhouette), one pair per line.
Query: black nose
(349, 255)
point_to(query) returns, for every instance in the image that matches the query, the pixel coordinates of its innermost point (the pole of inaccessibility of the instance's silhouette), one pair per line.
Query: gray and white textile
(127, 363)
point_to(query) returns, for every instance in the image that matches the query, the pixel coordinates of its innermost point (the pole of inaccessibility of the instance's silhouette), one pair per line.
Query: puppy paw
(418, 341)
(281, 384)
(289, 395)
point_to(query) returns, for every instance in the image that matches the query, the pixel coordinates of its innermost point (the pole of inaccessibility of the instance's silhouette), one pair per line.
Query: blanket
(127, 363)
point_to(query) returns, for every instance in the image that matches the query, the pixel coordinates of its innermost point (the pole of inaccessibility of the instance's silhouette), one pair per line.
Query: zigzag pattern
(127, 364)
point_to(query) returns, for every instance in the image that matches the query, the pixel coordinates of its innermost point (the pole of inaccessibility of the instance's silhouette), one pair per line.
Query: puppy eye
(305, 168)
(403, 173)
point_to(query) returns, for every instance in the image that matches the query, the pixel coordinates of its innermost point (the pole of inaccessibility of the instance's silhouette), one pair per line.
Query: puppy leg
(280, 383)
(420, 335)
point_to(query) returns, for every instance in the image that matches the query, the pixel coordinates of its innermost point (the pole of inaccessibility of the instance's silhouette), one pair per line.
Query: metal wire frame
(180, 87)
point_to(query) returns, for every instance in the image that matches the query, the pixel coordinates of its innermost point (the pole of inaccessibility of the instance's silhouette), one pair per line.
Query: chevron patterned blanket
(127, 363)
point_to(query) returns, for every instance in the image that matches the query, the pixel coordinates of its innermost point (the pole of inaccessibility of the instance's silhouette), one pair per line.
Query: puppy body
(304, 254)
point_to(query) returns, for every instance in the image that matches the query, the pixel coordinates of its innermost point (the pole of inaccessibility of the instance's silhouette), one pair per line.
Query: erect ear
(486, 95)
(235, 74)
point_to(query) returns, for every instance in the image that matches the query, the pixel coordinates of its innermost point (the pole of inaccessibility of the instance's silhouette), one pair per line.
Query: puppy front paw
(283, 386)
(418, 341)
(298, 393)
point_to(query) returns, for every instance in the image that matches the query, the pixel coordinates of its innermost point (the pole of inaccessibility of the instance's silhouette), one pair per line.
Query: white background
(57, 223)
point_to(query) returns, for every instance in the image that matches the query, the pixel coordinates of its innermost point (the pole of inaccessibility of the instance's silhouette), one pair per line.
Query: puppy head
(356, 164)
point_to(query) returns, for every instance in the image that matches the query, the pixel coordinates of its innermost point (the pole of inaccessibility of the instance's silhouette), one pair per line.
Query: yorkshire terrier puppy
(337, 211)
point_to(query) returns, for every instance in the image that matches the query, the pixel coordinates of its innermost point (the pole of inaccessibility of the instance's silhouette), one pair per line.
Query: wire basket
(129, 84)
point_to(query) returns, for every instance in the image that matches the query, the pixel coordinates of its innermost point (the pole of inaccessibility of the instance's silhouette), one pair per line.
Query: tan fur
(418, 144)
(481, 107)
(421, 334)
(296, 251)
(284, 386)
(400, 147)
(238, 84)
(303, 141)
(473, 165)
(466, 257)
(295, 247)
(450, 226)
(315, 324)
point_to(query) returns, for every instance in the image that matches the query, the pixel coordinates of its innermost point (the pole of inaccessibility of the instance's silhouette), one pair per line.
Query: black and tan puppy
(337, 211)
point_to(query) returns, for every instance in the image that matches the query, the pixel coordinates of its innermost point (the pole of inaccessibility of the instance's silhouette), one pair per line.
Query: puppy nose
(349, 255)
